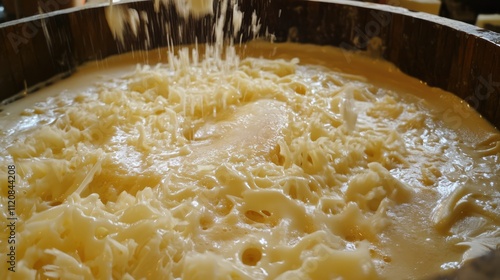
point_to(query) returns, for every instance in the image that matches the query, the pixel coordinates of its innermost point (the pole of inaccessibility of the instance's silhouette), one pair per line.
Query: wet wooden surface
(454, 56)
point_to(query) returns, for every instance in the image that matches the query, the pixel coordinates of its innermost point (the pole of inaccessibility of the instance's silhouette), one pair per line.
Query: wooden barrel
(451, 55)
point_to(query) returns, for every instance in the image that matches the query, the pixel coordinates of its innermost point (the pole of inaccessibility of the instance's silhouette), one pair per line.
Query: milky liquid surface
(279, 161)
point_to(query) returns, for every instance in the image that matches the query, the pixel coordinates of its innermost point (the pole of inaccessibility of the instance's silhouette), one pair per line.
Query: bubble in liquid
(251, 256)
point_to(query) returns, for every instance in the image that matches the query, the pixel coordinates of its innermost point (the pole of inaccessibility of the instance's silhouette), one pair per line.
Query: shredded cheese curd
(246, 168)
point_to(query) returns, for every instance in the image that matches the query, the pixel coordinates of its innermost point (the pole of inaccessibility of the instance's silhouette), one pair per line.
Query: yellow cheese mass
(249, 167)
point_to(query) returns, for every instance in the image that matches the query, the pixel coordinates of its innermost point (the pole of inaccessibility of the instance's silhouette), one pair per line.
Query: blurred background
(483, 13)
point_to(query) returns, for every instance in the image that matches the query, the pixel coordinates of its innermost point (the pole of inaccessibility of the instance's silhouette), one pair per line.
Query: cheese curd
(276, 162)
